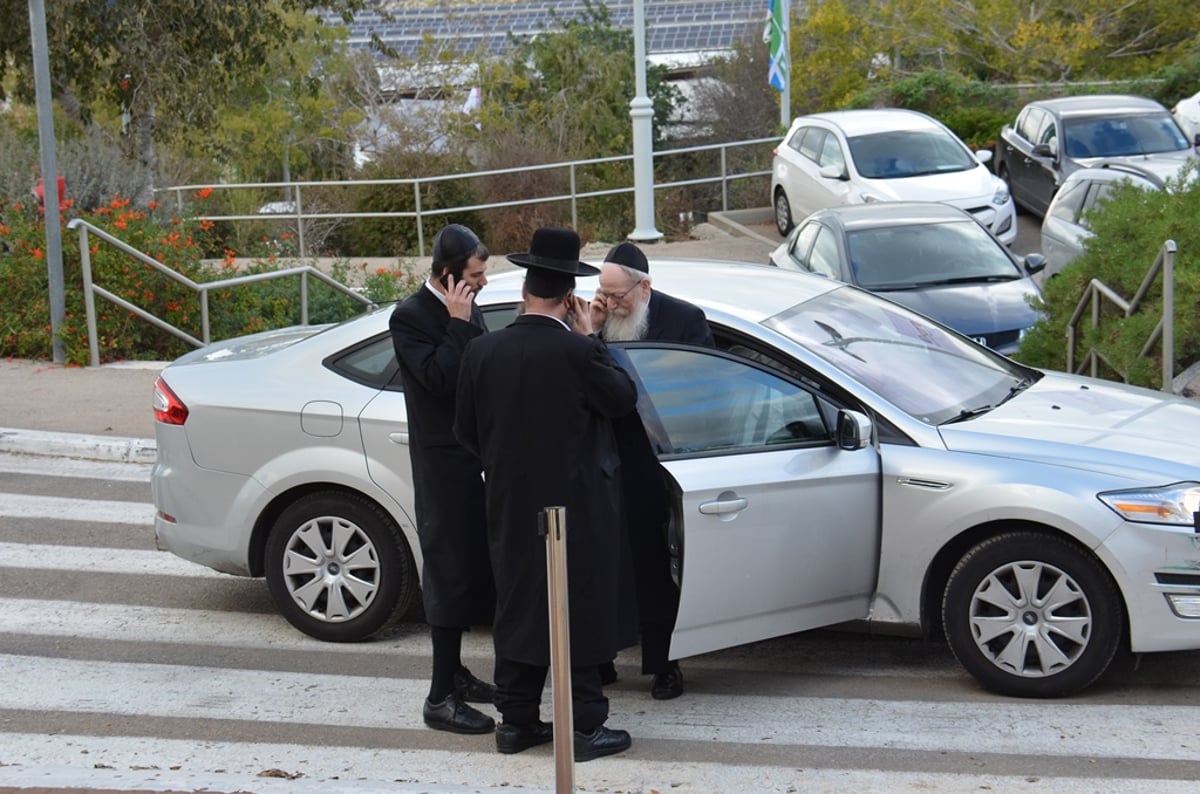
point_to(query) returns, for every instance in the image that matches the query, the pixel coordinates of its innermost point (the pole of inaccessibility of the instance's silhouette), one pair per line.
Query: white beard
(629, 328)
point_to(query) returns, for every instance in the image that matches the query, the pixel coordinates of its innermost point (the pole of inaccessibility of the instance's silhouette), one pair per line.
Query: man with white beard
(624, 309)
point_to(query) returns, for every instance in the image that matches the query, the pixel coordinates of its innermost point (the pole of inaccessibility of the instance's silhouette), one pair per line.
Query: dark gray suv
(1052, 138)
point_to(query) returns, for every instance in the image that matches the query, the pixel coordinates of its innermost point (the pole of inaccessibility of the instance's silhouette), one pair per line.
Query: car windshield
(926, 370)
(905, 153)
(1123, 136)
(927, 254)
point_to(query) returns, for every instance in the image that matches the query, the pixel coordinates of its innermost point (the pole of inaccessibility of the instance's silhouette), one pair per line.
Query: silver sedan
(837, 459)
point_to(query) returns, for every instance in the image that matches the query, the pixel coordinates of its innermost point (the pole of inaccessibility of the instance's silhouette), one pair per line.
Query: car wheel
(783, 212)
(338, 567)
(1032, 615)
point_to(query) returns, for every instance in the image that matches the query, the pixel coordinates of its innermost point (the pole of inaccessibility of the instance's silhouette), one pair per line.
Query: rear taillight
(168, 408)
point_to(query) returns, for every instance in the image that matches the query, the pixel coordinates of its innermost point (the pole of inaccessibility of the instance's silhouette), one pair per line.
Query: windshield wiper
(971, 413)
(995, 277)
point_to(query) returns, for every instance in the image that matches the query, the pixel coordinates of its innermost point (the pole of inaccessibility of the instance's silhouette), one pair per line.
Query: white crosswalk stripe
(91, 660)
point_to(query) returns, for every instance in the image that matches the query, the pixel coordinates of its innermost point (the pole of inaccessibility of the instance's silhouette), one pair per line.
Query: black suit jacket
(536, 402)
(675, 320)
(456, 579)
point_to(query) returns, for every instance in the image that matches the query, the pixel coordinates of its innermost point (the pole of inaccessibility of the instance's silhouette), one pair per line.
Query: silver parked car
(1065, 227)
(837, 458)
(931, 257)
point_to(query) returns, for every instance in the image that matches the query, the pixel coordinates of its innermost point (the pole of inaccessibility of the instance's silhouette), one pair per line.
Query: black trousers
(519, 694)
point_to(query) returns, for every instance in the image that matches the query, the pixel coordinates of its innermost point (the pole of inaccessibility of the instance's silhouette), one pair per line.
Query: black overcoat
(536, 402)
(456, 578)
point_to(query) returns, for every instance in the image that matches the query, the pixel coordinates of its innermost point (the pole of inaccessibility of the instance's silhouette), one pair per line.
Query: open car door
(779, 525)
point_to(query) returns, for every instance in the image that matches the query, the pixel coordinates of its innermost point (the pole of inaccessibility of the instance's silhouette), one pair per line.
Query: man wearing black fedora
(536, 402)
(430, 329)
(625, 309)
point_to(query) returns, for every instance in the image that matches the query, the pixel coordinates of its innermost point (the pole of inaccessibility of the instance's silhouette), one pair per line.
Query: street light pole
(641, 111)
(50, 196)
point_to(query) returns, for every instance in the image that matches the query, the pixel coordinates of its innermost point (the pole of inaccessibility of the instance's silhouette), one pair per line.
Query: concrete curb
(115, 449)
(733, 221)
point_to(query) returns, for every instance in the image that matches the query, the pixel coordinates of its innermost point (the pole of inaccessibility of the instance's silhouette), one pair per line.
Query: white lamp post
(641, 111)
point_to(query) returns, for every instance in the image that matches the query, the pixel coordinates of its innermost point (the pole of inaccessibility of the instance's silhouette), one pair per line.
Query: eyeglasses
(615, 297)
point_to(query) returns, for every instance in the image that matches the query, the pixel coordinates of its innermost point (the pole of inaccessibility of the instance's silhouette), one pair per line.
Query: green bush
(1130, 229)
(25, 330)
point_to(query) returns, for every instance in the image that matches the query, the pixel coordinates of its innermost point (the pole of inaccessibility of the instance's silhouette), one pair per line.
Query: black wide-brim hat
(555, 248)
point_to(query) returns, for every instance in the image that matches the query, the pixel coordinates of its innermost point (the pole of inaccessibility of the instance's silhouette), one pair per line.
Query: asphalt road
(126, 667)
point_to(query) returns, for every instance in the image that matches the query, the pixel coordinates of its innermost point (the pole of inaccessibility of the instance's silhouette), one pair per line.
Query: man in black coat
(430, 330)
(625, 308)
(536, 402)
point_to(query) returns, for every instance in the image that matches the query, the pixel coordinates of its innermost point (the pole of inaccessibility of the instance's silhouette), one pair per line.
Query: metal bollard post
(552, 523)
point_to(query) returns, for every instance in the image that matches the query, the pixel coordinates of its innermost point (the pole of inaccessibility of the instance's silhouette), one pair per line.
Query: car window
(922, 368)
(900, 154)
(1069, 202)
(701, 401)
(803, 243)
(916, 255)
(1029, 122)
(1124, 136)
(831, 153)
(372, 362)
(814, 142)
(824, 257)
(797, 138)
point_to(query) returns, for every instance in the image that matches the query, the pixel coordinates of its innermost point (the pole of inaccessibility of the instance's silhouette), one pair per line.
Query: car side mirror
(834, 172)
(1043, 150)
(1034, 263)
(853, 430)
(984, 155)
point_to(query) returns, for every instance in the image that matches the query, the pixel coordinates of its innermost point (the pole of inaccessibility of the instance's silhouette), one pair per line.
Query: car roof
(867, 121)
(751, 292)
(1098, 104)
(890, 213)
(1114, 171)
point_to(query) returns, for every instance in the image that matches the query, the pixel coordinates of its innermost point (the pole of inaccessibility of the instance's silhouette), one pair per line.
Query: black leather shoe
(669, 684)
(455, 716)
(472, 690)
(601, 741)
(512, 738)
(608, 674)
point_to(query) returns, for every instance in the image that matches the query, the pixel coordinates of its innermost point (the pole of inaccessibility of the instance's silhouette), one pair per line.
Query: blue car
(931, 257)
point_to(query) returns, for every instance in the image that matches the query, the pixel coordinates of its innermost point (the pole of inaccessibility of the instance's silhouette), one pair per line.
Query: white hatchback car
(890, 154)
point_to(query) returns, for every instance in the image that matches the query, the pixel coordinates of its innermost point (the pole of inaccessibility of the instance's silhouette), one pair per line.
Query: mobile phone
(444, 280)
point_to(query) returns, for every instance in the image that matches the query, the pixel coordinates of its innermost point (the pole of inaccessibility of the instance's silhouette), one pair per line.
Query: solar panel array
(672, 26)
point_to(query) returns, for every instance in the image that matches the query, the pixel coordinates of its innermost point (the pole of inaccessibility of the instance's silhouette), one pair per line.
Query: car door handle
(398, 437)
(724, 505)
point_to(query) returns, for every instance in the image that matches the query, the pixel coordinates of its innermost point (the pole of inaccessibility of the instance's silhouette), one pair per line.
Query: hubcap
(1030, 618)
(331, 569)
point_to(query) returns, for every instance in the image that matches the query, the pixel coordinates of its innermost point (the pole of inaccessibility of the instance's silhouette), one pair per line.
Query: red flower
(203, 192)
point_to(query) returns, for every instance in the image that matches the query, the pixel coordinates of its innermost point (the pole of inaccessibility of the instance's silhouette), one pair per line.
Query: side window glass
(371, 363)
(802, 244)
(797, 139)
(703, 402)
(824, 257)
(497, 317)
(831, 153)
(1070, 201)
(1028, 124)
(814, 141)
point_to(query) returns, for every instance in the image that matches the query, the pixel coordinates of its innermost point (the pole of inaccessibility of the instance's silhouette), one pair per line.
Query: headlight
(1000, 197)
(1171, 504)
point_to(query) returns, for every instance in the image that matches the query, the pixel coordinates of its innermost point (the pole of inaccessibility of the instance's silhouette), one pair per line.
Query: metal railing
(91, 290)
(1164, 329)
(296, 190)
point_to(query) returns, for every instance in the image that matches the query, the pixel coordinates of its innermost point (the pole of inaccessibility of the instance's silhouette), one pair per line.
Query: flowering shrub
(181, 245)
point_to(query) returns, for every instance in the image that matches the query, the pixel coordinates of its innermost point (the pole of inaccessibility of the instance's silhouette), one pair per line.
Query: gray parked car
(931, 257)
(1065, 227)
(1054, 137)
(837, 458)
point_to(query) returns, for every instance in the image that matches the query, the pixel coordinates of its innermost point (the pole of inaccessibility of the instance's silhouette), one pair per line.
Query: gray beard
(630, 328)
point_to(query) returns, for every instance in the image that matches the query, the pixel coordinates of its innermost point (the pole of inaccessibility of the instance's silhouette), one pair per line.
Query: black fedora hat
(555, 248)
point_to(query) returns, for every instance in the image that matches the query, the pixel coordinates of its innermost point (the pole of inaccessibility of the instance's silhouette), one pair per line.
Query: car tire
(783, 212)
(338, 567)
(1032, 615)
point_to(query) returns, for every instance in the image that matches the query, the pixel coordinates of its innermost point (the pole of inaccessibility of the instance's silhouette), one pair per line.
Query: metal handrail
(1165, 328)
(91, 290)
(299, 216)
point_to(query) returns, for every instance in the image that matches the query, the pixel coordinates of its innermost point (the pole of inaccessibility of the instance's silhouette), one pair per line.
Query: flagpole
(785, 96)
